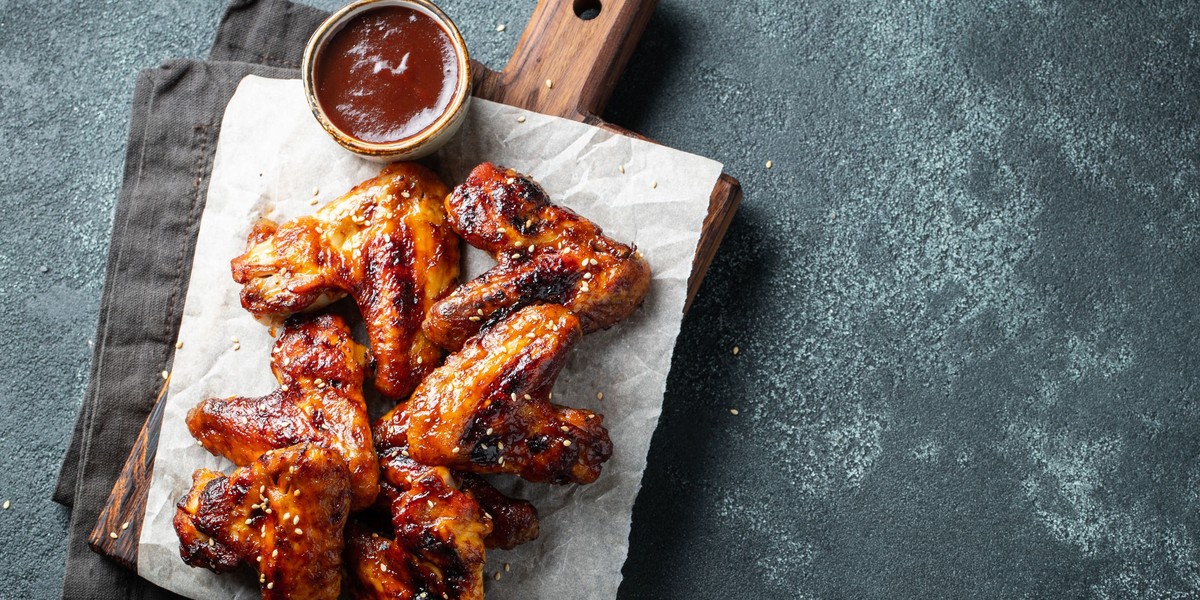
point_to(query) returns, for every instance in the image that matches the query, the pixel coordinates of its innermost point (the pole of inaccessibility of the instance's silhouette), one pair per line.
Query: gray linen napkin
(176, 116)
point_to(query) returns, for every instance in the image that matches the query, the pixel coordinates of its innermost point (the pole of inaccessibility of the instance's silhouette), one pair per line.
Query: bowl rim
(332, 25)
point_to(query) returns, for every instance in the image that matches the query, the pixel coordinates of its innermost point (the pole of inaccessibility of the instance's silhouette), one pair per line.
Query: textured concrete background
(965, 297)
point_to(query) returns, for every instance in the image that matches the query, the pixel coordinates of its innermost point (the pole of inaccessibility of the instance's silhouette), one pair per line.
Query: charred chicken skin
(282, 515)
(488, 410)
(320, 370)
(438, 546)
(386, 243)
(545, 254)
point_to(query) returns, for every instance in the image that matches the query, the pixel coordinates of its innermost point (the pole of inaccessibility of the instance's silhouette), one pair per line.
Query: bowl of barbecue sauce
(388, 79)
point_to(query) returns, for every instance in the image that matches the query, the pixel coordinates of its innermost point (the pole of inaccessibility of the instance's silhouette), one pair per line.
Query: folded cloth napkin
(176, 118)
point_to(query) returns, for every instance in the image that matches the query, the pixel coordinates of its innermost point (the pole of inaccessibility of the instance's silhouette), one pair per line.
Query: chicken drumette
(488, 410)
(546, 254)
(320, 371)
(386, 243)
(282, 515)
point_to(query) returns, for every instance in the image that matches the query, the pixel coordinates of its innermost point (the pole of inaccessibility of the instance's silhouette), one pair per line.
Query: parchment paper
(272, 159)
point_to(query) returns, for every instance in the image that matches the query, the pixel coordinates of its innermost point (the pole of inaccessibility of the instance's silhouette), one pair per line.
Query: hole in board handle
(587, 9)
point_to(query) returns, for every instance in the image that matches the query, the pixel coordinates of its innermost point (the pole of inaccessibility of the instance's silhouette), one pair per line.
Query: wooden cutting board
(566, 64)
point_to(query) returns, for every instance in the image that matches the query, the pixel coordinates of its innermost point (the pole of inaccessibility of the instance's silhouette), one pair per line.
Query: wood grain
(564, 66)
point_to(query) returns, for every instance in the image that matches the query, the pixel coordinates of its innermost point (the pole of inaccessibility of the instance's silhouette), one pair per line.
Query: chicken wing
(283, 515)
(320, 370)
(439, 544)
(514, 521)
(488, 410)
(386, 243)
(546, 254)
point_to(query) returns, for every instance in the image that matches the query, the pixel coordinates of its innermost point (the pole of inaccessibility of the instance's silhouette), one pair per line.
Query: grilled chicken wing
(320, 371)
(546, 254)
(386, 243)
(514, 521)
(283, 515)
(488, 410)
(439, 543)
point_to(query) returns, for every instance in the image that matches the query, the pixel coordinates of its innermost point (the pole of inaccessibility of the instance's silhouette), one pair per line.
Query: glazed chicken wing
(283, 515)
(438, 548)
(545, 254)
(320, 370)
(386, 243)
(488, 410)
(514, 521)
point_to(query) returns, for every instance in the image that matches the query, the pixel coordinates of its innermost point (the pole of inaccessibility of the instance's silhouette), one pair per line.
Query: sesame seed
(621, 168)
(429, 503)
(518, 243)
(275, 553)
(488, 432)
(514, 396)
(500, 445)
(653, 184)
(515, 255)
(420, 359)
(7, 504)
(566, 442)
(521, 119)
(599, 395)
(262, 578)
(564, 429)
(249, 521)
(473, 319)
(497, 576)
(384, 567)
(179, 345)
(405, 195)
(500, 27)
(43, 269)
(271, 586)
(454, 451)
(296, 493)
(531, 248)
(770, 164)
(736, 350)
(299, 531)
(166, 374)
(258, 558)
(287, 515)
(733, 411)
(549, 84)
(507, 567)
(528, 397)
(124, 525)
(112, 534)
(284, 387)
(587, 276)
(262, 489)
(316, 191)
(237, 346)
(312, 202)
(296, 520)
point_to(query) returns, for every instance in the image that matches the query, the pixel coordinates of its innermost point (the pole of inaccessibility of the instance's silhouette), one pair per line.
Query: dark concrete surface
(964, 297)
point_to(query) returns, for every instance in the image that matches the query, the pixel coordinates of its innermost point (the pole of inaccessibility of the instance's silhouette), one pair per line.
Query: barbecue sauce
(389, 73)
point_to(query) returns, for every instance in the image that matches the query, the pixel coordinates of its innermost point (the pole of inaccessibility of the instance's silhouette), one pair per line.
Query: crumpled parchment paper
(273, 159)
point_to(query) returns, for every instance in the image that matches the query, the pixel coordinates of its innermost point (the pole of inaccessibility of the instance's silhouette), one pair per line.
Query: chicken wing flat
(545, 254)
(488, 410)
(438, 548)
(386, 243)
(283, 515)
(320, 370)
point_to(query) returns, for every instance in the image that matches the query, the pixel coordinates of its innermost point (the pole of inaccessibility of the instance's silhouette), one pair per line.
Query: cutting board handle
(565, 64)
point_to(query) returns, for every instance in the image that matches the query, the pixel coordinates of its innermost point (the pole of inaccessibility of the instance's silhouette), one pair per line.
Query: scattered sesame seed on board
(237, 346)
(599, 395)
(653, 184)
(43, 269)
(770, 164)
(736, 350)
(124, 525)
(496, 576)
(566, 442)
(521, 119)
(733, 411)
(621, 168)
(7, 504)
(112, 534)
(316, 191)
(179, 345)
(500, 27)
(166, 374)
(549, 84)
(312, 202)
(507, 567)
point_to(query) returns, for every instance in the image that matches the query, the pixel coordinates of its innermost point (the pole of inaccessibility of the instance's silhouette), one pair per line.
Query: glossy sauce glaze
(389, 73)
